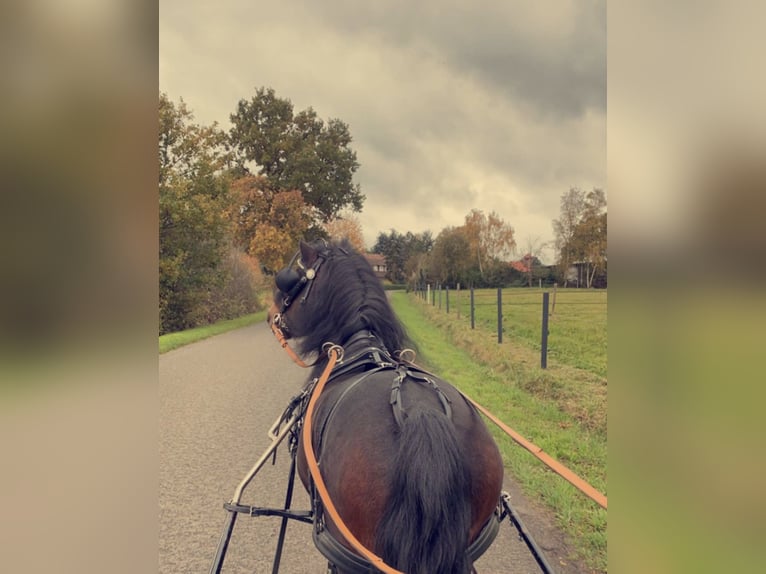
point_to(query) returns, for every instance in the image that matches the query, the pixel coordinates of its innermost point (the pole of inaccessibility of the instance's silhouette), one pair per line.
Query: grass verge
(174, 340)
(506, 381)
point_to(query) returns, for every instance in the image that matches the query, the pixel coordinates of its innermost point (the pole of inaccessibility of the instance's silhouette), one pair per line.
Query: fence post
(457, 298)
(553, 305)
(499, 315)
(472, 309)
(440, 296)
(544, 334)
(446, 295)
(433, 296)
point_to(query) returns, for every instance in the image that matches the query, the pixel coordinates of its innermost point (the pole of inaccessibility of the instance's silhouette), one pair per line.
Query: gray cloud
(552, 56)
(493, 105)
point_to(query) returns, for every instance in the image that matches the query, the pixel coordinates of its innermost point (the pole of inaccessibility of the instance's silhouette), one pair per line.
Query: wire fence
(568, 324)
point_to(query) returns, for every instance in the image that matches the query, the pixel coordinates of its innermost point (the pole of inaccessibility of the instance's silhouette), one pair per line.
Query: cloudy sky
(494, 105)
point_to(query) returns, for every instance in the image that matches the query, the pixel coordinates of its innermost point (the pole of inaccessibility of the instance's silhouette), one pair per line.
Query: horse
(407, 461)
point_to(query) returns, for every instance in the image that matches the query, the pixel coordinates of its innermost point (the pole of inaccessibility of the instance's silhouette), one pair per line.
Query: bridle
(291, 282)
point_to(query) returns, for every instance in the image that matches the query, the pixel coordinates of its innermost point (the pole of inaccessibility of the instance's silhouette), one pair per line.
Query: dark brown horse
(408, 462)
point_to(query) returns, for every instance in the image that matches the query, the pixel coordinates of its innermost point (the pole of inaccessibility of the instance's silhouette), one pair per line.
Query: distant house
(524, 264)
(378, 264)
(579, 272)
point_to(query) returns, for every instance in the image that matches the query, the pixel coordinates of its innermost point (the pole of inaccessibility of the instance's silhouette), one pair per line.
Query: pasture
(576, 327)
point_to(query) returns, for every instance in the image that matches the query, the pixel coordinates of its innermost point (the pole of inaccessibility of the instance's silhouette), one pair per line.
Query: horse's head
(327, 293)
(292, 288)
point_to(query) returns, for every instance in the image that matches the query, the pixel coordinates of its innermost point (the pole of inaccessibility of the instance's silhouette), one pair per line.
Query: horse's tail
(424, 529)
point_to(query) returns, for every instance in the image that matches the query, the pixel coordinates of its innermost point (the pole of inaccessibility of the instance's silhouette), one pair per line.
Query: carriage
(402, 473)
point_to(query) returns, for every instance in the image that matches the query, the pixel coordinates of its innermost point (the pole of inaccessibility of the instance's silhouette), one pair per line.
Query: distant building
(578, 274)
(525, 264)
(378, 264)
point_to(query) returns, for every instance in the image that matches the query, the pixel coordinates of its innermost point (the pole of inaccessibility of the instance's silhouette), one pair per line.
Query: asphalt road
(218, 397)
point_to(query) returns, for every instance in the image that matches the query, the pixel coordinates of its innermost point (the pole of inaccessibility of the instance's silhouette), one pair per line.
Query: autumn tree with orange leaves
(267, 224)
(346, 225)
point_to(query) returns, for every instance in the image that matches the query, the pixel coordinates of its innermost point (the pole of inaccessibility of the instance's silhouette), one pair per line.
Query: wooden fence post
(499, 315)
(472, 310)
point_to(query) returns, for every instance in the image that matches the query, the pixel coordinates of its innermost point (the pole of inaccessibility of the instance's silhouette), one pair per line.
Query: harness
(367, 356)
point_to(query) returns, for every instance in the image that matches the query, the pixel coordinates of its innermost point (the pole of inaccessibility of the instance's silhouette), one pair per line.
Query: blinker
(286, 279)
(293, 279)
(289, 277)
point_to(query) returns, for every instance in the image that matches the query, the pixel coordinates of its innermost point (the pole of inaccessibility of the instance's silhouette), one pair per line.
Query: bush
(237, 295)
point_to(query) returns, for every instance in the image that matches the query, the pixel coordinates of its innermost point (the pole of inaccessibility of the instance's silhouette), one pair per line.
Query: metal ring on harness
(328, 347)
(401, 355)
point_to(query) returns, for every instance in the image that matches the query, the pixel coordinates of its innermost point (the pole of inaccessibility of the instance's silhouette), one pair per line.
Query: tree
(533, 248)
(392, 247)
(278, 235)
(250, 203)
(451, 255)
(589, 241)
(346, 225)
(267, 225)
(581, 232)
(572, 205)
(399, 248)
(298, 152)
(193, 228)
(490, 238)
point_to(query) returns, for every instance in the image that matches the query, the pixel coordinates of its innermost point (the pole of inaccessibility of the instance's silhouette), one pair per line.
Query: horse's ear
(308, 254)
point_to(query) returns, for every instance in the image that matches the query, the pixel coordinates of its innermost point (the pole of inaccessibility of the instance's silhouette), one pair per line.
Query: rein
(285, 345)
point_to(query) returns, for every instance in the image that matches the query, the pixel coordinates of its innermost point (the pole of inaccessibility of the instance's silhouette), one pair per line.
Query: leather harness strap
(285, 345)
(413, 373)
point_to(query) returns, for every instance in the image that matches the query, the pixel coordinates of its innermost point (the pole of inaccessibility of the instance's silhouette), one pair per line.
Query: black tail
(425, 527)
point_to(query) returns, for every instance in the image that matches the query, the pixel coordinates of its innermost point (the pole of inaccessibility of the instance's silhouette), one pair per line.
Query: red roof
(519, 266)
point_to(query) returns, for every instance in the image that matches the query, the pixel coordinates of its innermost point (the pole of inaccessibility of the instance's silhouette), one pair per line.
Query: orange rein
(548, 460)
(285, 345)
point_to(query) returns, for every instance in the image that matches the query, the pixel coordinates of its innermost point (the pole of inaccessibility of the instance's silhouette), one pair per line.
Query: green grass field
(562, 409)
(576, 326)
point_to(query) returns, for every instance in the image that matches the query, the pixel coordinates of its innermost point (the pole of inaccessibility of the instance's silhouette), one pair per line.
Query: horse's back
(357, 438)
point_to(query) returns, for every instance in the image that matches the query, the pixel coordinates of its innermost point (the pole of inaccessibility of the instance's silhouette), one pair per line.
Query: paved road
(218, 398)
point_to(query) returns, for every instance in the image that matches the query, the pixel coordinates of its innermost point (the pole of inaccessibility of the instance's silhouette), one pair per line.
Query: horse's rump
(393, 485)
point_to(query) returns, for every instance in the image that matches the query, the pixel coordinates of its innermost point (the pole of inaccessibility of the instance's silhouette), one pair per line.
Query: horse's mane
(347, 297)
